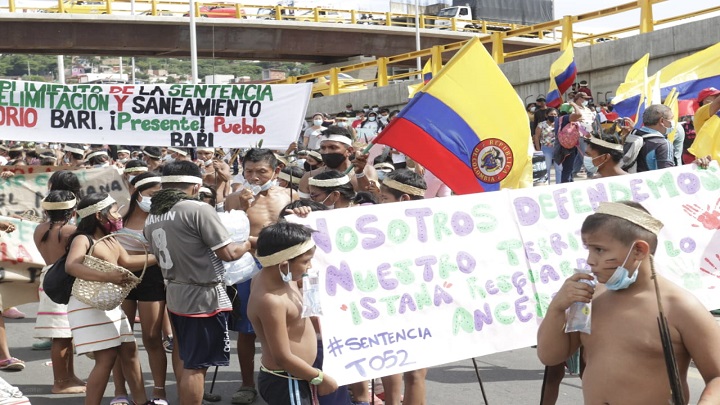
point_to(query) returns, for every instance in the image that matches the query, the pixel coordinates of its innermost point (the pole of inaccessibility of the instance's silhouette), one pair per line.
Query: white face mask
(317, 122)
(371, 119)
(130, 179)
(375, 109)
(144, 203)
(329, 206)
(285, 277)
(342, 124)
(123, 160)
(207, 162)
(584, 103)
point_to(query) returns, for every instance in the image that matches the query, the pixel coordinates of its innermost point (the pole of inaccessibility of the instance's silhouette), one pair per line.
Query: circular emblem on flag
(492, 160)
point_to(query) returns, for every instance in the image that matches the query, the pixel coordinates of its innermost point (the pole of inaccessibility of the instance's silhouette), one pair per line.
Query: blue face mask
(620, 279)
(589, 165)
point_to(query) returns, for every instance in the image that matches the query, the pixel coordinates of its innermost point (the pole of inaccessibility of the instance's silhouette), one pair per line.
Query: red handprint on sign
(707, 218)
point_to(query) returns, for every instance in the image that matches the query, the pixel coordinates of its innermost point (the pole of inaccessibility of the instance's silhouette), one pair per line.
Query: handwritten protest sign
(213, 115)
(24, 192)
(422, 283)
(685, 199)
(20, 264)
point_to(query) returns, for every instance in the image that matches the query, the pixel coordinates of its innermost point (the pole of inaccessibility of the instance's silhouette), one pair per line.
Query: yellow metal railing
(496, 39)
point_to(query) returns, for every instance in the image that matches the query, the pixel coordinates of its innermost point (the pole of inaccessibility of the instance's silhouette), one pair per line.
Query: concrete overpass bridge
(160, 36)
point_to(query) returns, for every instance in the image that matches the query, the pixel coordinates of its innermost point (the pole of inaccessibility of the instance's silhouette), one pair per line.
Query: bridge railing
(497, 39)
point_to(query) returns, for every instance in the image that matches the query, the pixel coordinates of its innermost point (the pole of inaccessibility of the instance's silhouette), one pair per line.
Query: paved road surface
(509, 378)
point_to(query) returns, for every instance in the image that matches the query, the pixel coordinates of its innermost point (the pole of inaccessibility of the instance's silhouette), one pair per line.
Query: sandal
(245, 396)
(121, 400)
(12, 364)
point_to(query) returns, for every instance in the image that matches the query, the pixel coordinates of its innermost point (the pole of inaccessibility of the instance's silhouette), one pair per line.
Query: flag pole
(364, 151)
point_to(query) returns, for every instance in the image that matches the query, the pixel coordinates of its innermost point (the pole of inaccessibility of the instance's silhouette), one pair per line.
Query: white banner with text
(185, 115)
(422, 283)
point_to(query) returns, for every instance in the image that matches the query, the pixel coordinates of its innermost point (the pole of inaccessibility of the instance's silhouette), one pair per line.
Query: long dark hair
(65, 180)
(138, 190)
(89, 224)
(60, 217)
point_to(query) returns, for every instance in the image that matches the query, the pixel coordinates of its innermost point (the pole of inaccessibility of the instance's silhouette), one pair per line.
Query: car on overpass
(80, 7)
(221, 11)
(327, 16)
(346, 84)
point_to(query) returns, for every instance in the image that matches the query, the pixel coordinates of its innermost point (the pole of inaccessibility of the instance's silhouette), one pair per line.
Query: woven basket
(29, 215)
(104, 295)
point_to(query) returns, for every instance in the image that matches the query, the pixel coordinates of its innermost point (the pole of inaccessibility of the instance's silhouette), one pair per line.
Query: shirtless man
(51, 239)
(288, 340)
(260, 168)
(216, 173)
(624, 354)
(336, 150)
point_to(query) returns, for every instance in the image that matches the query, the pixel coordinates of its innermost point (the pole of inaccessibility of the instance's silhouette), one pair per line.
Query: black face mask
(333, 160)
(551, 118)
(308, 167)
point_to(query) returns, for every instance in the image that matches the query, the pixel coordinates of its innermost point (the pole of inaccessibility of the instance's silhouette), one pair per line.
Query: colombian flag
(636, 76)
(562, 75)
(427, 75)
(688, 75)
(452, 128)
(707, 141)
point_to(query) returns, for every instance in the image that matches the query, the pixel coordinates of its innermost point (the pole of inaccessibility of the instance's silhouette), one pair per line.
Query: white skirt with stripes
(52, 319)
(94, 329)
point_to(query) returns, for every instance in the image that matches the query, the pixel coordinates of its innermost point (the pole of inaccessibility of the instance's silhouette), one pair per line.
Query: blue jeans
(567, 166)
(579, 158)
(548, 152)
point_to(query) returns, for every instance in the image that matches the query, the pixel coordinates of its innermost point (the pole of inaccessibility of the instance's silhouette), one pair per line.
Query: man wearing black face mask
(336, 151)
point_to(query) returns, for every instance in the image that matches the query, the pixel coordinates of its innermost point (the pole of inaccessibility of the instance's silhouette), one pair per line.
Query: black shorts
(151, 288)
(276, 390)
(204, 342)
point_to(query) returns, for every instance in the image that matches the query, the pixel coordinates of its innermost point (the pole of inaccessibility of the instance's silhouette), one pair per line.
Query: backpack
(57, 284)
(632, 145)
(569, 135)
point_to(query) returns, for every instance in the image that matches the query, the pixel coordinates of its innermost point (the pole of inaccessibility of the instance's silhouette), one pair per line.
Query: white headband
(149, 155)
(182, 152)
(97, 207)
(135, 169)
(288, 178)
(206, 150)
(123, 151)
(205, 190)
(98, 153)
(634, 215)
(605, 144)
(147, 181)
(182, 179)
(384, 166)
(56, 206)
(338, 138)
(329, 182)
(317, 156)
(286, 254)
(394, 184)
(76, 151)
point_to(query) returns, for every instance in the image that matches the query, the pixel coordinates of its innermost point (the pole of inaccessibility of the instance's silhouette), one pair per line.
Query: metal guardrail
(497, 38)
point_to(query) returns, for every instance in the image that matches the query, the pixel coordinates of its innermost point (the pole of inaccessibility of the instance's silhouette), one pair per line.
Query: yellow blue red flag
(707, 141)
(427, 75)
(689, 75)
(451, 126)
(636, 85)
(562, 75)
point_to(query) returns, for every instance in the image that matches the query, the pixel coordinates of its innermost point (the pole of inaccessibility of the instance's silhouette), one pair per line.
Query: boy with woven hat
(288, 340)
(626, 358)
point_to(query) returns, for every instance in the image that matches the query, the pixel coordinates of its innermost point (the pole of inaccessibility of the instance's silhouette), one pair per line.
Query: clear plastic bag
(311, 296)
(577, 317)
